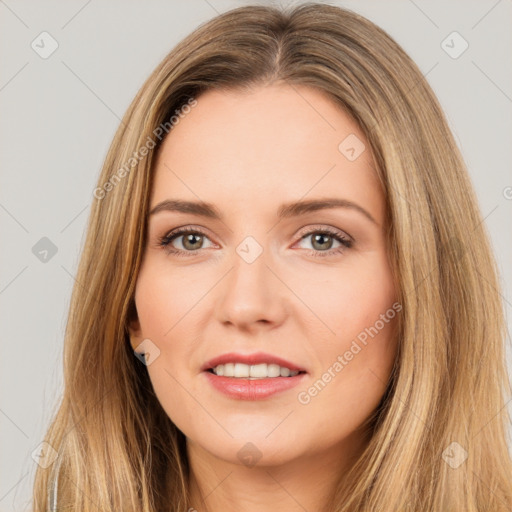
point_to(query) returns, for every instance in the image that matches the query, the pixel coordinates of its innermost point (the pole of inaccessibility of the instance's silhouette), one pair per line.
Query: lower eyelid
(176, 236)
(345, 242)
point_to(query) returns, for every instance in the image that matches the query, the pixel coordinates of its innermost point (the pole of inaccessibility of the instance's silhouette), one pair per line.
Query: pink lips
(247, 389)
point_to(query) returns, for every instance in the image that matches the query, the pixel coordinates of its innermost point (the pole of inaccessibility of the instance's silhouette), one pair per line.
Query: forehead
(278, 142)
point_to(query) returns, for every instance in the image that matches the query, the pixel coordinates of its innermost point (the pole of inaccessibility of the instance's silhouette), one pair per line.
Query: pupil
(189, 239)
(319, 237)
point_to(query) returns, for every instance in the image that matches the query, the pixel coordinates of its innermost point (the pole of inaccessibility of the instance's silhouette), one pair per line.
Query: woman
(286, 298)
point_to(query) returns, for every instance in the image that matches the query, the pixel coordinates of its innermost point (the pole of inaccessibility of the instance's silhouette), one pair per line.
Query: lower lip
(257, 389)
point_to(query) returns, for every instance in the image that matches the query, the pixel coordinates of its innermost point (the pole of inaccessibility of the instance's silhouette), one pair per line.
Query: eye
(322, 241)
(192, 241)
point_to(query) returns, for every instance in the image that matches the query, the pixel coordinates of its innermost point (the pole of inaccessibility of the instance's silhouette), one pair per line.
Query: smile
(254, 371)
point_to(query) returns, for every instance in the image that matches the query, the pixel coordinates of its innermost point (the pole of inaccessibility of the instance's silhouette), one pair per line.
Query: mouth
(253, 371)
(252, 377)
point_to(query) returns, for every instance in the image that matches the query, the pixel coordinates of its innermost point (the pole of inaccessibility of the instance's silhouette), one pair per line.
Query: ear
(133, 327)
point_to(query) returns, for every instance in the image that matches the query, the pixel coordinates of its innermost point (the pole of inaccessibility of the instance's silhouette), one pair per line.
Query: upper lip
(250, 359)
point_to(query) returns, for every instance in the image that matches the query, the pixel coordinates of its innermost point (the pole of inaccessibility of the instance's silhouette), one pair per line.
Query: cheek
(353, 363)
(352, 374)
(165, 305)
(347, 300)
(166, 297)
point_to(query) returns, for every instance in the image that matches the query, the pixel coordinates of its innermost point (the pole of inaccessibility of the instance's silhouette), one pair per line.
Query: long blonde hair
(119, 451)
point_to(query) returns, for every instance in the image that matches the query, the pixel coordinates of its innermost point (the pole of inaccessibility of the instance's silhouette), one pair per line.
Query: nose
(251, 296)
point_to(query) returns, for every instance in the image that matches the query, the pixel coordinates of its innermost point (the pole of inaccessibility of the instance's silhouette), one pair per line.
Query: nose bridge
(251, 293)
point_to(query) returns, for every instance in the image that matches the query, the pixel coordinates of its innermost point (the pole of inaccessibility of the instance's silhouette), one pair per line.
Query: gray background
(59, 115)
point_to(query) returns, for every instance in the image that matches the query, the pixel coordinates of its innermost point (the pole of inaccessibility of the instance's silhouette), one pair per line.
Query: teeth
(285, 372)
(241, 370)
(254, 371)
(257, 370)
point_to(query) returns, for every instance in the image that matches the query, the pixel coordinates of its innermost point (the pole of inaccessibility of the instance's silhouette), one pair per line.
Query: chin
(250, 451)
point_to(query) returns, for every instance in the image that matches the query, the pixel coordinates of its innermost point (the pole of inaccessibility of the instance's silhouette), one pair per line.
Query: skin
(247, 153)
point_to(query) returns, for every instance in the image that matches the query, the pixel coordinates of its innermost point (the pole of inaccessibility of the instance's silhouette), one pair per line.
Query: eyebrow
(286, 210)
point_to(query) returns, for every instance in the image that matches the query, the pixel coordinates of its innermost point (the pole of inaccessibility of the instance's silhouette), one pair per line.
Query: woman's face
(268, 279)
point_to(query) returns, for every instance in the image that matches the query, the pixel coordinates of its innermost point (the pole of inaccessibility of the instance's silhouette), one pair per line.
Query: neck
(306, 483)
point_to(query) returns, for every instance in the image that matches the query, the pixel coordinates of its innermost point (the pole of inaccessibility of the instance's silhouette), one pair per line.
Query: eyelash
(164, 241)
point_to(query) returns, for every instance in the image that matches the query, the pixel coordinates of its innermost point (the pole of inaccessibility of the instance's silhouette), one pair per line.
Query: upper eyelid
(181, 231)
(303, 232)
